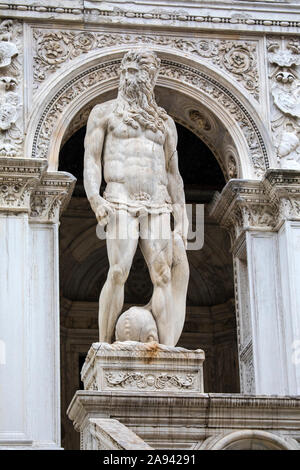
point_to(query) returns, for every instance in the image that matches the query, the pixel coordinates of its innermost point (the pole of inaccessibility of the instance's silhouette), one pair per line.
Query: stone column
(260, 216)
(284, 187)
(30, 202)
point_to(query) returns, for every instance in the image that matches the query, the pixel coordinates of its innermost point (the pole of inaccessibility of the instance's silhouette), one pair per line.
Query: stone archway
(69, 96)
(210, 320)
(201, 99)
(249, 440)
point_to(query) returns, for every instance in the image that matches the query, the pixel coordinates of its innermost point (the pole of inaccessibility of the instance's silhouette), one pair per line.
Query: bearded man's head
(136, 100)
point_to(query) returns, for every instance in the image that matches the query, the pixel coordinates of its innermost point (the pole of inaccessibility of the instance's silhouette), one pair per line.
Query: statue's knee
(161, 275)
(118, 274)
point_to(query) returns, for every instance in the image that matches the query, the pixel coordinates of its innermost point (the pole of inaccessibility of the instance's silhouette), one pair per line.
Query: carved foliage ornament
(289, 208)
(17, 182)
(110, 70)
(54, 48)
(15, 193)
(10, 95)
(145, 380)
(46, 205)
(284, 68)
(49, 198)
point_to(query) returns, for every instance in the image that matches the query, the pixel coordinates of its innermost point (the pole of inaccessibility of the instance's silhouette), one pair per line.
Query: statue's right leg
(121, 242)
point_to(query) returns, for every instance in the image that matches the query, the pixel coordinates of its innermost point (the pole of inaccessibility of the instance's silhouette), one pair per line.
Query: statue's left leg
(156, 246)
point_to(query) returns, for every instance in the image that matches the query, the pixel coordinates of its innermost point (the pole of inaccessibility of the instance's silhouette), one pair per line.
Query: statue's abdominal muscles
(134, 164)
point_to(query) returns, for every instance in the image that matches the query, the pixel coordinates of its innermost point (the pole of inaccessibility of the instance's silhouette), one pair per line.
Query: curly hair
(136, 103)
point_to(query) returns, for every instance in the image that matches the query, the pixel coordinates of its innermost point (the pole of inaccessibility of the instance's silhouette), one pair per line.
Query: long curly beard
(136, 105)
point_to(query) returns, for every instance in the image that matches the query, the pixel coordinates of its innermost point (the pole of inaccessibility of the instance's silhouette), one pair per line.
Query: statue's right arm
(93, 145)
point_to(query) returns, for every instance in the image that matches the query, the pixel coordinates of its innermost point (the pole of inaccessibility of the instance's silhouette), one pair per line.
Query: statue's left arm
(175, 183)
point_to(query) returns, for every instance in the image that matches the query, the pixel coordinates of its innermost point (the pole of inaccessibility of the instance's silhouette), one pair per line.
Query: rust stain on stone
(152, 352)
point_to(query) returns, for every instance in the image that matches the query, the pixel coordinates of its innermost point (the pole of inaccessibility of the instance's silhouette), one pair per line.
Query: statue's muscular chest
(120, 131)
(134, 157)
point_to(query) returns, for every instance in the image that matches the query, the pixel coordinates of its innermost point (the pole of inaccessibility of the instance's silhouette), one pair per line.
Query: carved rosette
(110, 70)
(284, 75)
(11, 64)
(53, 48)
(51, 196)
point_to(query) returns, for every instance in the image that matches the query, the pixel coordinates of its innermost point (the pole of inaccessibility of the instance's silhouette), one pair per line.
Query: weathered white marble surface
(135, 141)
(265, 221)
(30, 203)
(110, 434)
(193, 421)
(142, 367)
(215, 75)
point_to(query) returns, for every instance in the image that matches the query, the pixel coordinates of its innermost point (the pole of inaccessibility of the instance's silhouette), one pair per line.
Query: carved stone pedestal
(131, 366)
(130, 371)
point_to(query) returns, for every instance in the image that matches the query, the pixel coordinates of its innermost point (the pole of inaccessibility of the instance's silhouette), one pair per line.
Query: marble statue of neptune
(134, 141)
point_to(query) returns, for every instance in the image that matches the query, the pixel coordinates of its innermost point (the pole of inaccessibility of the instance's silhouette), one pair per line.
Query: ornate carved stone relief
(231, 158)
(17, 181)
(25, 186)
(146, 381)
(54, 48)
(289, 208)
(258, 205)
(50, 197)
(284, 74)
(110, 70)
(103, 14)
(232, 167)
(225, 99)
(11, 135)
(167, 368)
(200, 120)
(247, 369)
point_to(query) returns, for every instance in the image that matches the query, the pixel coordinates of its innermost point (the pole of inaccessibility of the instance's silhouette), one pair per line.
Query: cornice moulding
(264, 17)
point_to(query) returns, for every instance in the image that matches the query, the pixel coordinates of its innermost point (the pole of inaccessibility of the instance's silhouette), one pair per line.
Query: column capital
(51, 196)
(258, 205)
(283, 187)
(26, 186)
(18, 178)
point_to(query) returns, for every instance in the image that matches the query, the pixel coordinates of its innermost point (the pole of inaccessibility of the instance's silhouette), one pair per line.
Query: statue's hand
(102, 209)
(181, 220)
(179, 230)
